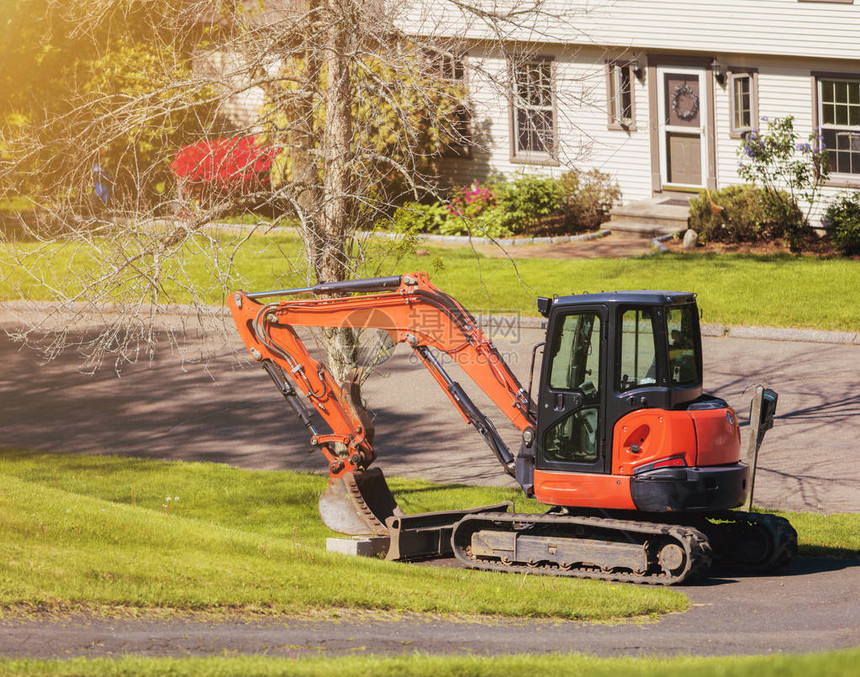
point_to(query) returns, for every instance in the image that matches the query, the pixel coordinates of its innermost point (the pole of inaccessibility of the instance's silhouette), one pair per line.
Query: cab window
(576, 357)
(681, 326)
(638, 364)
(575, 367)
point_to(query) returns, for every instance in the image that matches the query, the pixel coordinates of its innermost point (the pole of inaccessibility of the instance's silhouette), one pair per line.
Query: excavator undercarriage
(617, 546)
(640, 468)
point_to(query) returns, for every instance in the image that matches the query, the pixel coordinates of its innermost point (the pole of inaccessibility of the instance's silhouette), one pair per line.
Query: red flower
(227, 165)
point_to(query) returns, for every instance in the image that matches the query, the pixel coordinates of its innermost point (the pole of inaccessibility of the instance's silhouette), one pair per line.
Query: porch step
(649, 218)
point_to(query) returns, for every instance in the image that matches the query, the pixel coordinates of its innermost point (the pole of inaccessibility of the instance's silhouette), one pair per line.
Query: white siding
(584, 140)
(239, 112)
(785, 88)
(775, 27)
(766, 27)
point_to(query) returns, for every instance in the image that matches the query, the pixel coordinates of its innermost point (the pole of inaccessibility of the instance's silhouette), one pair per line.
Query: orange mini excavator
(641, 469)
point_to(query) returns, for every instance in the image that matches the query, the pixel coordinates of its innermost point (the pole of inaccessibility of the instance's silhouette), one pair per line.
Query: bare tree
(362, 98)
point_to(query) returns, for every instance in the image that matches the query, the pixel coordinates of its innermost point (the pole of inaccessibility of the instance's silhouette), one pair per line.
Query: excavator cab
(620, 395)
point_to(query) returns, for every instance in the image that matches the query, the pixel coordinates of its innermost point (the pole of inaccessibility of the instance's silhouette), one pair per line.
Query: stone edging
(429, 237)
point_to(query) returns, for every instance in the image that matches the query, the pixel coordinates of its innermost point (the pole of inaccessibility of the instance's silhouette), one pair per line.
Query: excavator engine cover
(359, 503)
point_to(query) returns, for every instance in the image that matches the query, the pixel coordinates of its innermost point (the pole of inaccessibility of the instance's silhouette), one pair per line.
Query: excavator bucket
(359, 504)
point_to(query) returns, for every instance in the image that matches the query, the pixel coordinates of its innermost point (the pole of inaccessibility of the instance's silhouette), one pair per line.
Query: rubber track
(695, 544)
(782, 537)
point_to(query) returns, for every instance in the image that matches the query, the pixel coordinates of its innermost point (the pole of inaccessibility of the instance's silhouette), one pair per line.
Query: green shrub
(588, 199)
(743, 214)
(414, 217)
(843, 217)
(528, 205)
(778, 162)
(527, 202)
(475, 210)
(485, 225)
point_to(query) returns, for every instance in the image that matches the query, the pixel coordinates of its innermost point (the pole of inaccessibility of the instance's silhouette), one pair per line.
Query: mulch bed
(815, 245)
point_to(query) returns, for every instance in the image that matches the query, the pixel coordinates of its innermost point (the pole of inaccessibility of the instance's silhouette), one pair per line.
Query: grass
(99, 533)
(833, 664)
(820, 535)
(779, 290)
(15, 205)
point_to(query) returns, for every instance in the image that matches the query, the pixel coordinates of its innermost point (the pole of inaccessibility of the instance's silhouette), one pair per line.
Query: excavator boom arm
(412, 311)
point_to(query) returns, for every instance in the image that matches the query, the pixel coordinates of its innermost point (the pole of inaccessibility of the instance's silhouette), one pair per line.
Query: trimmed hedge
(843, 218)
(742, 214)
(528, 206)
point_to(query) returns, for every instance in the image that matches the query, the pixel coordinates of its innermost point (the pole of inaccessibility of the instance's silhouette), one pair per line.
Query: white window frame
(615, 85)
(736, 74)
(453, 69)
(546, 156)
(847, 129)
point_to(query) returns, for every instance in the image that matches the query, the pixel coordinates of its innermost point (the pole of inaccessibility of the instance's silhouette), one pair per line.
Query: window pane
(575, 366)
(742, 102)
(534, 112)
(626, 94)
(621, 94)
(638, 356)
(681, 324)
(576, 358)
(573, 439)
(840, 112)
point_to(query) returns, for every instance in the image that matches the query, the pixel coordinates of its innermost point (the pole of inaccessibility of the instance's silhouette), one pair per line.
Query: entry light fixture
(719, 70)
(637, 68)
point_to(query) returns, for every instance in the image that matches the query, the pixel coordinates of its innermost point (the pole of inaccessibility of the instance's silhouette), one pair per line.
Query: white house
(656, 93)
(659, 93)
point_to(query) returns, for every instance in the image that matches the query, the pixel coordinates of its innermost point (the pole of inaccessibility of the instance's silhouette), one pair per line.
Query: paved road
(812, 606)
(227, 411)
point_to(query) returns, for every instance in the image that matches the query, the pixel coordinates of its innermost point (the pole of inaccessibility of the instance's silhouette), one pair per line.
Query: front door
(683, 111)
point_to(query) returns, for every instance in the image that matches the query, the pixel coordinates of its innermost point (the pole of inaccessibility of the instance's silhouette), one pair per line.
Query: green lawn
(822, 535)
(833, 664)
(99, 532)
(779, 291)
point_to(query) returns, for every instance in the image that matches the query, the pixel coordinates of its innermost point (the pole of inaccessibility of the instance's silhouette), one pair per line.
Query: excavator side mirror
(543, 305)
(768, 409)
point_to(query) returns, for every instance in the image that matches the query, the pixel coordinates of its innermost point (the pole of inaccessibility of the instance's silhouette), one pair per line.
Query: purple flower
(804, 148)
(764, 118)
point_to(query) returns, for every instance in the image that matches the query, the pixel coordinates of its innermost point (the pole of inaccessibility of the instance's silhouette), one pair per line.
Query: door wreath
(684, 94)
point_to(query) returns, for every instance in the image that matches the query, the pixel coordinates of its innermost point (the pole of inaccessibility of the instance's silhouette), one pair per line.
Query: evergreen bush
(743, 213)
(843, 217)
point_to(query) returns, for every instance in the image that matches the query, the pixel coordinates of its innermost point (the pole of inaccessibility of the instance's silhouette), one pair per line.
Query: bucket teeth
(359, 504)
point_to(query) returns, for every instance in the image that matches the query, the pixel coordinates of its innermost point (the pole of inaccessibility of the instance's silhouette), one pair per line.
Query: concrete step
(649, 218)
(643, 227)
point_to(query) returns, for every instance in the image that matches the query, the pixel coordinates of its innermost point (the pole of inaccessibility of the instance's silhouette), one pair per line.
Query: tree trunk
(332, 258)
